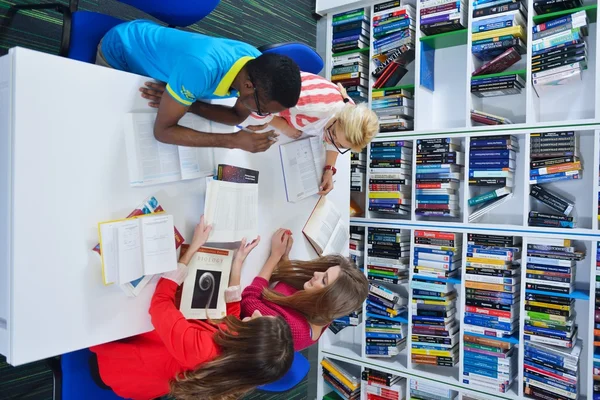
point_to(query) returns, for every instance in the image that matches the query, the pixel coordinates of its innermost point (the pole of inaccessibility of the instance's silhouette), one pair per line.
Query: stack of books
(349, 63)
(358, 166)
(559, 53)
(561, 209)
(357, 245)
(395, 109)
(482, 118)
(492, 164)
(339, 380)
(427, 390)
(385, 328)
(443, 16)
(439, 161)
(554, 157)
(596, 367)
(499, 40)
(434, 326)
(492, 283)
(352, 319)
(388, 253)
(393, 43)
(381, 385)
(390, 181)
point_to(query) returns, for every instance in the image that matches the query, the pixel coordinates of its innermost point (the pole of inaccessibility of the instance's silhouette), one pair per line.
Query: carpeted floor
(257, 22)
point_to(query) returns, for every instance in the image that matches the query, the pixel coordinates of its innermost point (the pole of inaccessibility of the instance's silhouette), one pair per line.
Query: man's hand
(326, 183)
(254, 142)
(256, 128)
(153, 91)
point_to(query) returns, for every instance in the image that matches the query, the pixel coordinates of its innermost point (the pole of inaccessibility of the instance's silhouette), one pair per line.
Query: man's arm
(167, 130)
(224, 115)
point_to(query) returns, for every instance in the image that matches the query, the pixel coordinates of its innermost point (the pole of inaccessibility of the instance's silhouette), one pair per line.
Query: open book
(151, 162)
(302, 161)
(148, 206)
(232, 210)
(204, 287)
(134, 247)
(325, 229)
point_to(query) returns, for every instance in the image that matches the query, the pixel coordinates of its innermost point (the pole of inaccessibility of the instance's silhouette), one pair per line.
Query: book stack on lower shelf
(439, 162)
(395, 109)
(358, 166)
(559, 52)
(498, 41)
(388, 255)
(491, 318)
(393, 44)
(554, 158)
(443, 16)
(551, 346)
(425, 390)
(340, 380)
(436, 260)
(596, 362)
(383, 386)
(390, 182)
(357, 245)
(385, 328)
(492, 164)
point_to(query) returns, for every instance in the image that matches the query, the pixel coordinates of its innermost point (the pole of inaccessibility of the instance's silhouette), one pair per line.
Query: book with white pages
(231, 209)
(302, 161)
(135, 247)
(325, 229)
(489, 206)
(205, 284)
(151, 162)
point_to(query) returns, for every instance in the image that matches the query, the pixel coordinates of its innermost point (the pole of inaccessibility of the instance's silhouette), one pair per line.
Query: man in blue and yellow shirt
(195, 67)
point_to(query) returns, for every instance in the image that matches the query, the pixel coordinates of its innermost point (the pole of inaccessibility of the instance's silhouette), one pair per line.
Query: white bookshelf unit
(445, 113)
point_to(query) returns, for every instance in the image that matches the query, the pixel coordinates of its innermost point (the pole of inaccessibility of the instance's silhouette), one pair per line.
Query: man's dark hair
(276, 78)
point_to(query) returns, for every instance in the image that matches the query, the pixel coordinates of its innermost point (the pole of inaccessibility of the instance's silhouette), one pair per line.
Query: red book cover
(500, 63)
(387, 72)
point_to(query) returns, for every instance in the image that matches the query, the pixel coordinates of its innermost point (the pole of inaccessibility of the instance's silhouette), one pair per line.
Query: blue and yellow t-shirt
(194, 66)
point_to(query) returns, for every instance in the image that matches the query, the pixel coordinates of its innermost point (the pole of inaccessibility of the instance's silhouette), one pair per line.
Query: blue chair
(73, 380)
(297, 372)
(307, 59)
(83, 30)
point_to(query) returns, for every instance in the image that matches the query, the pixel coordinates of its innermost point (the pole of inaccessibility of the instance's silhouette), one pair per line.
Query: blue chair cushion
(87, 29)
(77, 383)
(175, 12)
(307, 59)
(297, 372)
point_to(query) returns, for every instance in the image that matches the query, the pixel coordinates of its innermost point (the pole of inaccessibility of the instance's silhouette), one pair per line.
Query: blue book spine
(433, 201)
(485, 372)
(432, 251)
(352, 32)
(389, 39)
(536, 352)
(376, 335)
(549, 268)
(485, 317)
(550, 382)
(435, 176)
(508, 251)
(536, 329)
(471, 355)
(434, 170)
(430, 319)
(559, 176)
(488, 324)
(494, 154)
(490, 142)
(434, 197)
(352, 38)
(394, 25)
(552, 24)
(573, 378)
(490, 163)
(492, 26)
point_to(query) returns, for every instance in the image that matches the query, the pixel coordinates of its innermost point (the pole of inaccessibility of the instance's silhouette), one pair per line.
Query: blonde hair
(359, 124)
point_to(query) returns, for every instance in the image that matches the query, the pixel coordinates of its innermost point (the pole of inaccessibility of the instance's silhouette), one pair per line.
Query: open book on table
(325, 229)
(151, 162)
(302, 161)
(205, 285)
(232, 210)
(134, 247)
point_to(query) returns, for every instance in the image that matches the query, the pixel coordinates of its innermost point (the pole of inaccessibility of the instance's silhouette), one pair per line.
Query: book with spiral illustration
(203, 293)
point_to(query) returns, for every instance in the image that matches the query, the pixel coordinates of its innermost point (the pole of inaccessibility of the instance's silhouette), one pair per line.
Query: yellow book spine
(425, 352)
(102, 256)
(548, 305)
(348, 75)
(485, 286)
(516, 31)
(336, 373)
(433, 302)
(478, 260)
(387, 195)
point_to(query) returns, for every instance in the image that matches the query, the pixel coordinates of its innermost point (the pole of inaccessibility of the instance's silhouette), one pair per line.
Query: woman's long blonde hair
(359, 124)
(343, 296)
(253, 353)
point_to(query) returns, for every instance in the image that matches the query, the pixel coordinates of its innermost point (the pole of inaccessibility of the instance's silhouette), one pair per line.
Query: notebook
(302, 162)
(325, 230)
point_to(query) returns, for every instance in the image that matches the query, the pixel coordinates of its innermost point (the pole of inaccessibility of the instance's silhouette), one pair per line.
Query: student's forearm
(235, 277)
(183, 136)
(269, 267)
(331, 157)
(187, 256)
(282, 125)
(218, 113)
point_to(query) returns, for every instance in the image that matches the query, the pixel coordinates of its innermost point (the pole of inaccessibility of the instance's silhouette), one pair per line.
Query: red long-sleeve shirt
(142, 366)
(252, 300)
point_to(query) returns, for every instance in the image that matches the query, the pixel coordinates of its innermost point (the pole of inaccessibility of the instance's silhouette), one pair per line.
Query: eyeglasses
(258, 112)
(332, 137)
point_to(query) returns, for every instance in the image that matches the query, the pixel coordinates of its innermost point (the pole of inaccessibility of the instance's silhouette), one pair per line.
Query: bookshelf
(445, 113)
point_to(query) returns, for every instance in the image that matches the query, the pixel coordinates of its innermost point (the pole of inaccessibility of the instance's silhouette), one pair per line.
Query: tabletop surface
(69, 172)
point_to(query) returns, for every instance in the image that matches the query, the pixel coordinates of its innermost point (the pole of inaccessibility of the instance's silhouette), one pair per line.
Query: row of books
(552, 349)
(358, 166)
(340, 381)
(492, 164)
(381, 385)
(498, 41)
(596, 364)
(393, 29)
(559, 50)
(443, 16)
(395, 109)
(491, 317)
(350, 66)
(482, 118)
(425, 390)
(439, 163)
(390, 180)
(435, 330)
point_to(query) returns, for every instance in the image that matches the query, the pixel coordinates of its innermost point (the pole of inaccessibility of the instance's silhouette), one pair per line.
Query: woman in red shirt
(193, 359)
(309, 295)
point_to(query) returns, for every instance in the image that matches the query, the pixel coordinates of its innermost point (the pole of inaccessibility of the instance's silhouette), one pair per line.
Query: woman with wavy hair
(309, 295)
(192, 359)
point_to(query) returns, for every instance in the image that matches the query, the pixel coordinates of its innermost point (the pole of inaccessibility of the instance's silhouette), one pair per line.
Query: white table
(63, 170)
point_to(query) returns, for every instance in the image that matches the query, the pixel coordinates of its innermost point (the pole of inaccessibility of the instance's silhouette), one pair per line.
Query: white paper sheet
(299, 171)
(129, 246)
(158, 246)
